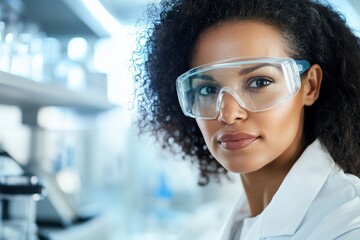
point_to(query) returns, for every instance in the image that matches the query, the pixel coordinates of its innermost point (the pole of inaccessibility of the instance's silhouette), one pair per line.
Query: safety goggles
(256, 84)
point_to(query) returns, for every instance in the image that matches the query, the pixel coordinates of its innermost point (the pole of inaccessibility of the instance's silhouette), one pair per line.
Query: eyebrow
(248, 70)
(202, 77)
(242, 71)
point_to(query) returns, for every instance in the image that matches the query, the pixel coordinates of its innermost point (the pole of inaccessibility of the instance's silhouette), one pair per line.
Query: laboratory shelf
(62, 18)
(28, 94)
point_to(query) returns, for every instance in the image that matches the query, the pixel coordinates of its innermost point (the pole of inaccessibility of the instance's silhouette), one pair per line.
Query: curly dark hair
(314, 31)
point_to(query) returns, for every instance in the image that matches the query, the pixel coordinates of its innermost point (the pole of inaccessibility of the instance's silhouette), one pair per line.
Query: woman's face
(240, 140)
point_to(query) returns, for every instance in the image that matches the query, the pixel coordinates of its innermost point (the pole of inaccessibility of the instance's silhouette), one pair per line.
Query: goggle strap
(302, 65)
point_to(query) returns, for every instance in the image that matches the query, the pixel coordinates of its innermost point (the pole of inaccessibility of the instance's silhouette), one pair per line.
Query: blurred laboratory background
(71, 164)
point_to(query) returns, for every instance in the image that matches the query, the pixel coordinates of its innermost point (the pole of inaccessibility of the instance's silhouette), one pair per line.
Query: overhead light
(106, 20)
(97, 17)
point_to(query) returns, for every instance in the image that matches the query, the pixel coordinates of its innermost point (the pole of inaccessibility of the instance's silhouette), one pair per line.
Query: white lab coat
(316, 201)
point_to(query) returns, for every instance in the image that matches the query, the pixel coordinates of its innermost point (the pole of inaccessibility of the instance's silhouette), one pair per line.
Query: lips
(236, 141)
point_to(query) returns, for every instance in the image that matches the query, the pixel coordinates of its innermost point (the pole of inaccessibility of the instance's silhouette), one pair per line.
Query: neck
(261, 186)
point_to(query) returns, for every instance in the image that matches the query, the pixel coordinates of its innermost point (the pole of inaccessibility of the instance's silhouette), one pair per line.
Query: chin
(241, 168)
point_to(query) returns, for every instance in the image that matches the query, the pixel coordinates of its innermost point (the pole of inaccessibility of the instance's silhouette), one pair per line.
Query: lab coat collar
(290, 203)
(301, 185)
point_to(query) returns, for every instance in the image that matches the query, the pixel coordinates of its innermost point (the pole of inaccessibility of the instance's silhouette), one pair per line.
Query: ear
(311, 83)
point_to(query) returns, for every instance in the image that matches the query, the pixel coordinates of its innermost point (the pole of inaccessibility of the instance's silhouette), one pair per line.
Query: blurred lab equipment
(19, 192)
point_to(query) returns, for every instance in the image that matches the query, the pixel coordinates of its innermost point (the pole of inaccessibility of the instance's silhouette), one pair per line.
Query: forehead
(238, 39)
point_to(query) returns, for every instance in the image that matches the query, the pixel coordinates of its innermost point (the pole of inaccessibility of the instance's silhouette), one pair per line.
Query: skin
(264, 163)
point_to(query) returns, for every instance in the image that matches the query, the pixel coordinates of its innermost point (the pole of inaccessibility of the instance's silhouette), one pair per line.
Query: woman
(270, 90)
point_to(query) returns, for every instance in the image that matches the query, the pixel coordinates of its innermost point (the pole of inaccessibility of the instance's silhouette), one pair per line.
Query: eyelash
(201, 87)
(253, 80)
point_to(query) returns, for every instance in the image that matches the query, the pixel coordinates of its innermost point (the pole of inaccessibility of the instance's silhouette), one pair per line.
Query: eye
(207, 90)
(260, 82)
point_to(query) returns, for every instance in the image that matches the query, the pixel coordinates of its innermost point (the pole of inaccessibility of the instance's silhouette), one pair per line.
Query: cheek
(208, 129)
(281, 124)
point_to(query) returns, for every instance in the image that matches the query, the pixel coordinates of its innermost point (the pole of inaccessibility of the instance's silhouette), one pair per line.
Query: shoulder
(351, 235)
(342, 219)
(337, 207)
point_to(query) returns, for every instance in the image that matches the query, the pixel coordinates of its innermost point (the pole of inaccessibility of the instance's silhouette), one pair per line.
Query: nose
(230, 110)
